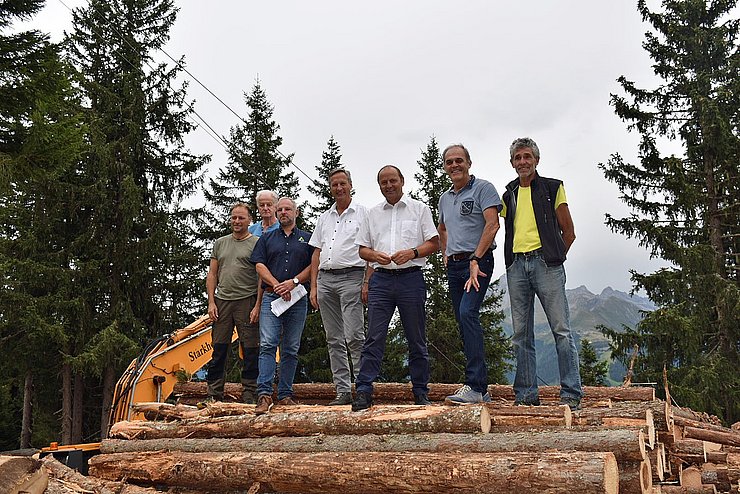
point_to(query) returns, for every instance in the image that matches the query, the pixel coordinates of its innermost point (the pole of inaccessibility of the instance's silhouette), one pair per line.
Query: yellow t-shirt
(526, 235)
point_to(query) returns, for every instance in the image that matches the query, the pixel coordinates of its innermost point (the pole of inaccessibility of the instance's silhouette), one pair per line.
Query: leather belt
(531, 253)
(462, 256)
(398, 271)
(351, 269)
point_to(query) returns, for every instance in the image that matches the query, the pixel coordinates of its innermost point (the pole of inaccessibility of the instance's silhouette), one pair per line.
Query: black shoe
(421, 399)
(363, 401)
(528, 403)
(341, 399)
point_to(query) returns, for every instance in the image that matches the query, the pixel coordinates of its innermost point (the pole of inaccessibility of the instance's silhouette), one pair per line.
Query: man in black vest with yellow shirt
(539, 232)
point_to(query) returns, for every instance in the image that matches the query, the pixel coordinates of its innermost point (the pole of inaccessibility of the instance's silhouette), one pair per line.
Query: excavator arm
(152, 376)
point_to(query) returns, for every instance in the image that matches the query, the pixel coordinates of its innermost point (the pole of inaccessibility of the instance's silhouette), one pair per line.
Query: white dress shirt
(390, 228)
(335, 235)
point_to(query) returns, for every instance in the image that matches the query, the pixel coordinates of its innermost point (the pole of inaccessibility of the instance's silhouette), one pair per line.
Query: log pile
(623, 440)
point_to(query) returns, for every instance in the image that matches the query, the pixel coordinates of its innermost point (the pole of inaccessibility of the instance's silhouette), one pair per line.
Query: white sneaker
(464, 396)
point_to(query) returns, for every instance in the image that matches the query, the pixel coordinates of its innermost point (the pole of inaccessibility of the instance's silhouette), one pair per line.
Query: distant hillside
(610, 308)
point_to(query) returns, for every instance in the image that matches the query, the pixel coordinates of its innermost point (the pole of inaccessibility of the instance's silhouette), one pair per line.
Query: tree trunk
(635, 477)
(627, 445)
(399, 392)
(680, 489)
(27, 417)
(368, 472)
(78, 394)
(526, 416)
(74, 482)
(728, 436)
(307, 420)
(109, 381)
(66, 404)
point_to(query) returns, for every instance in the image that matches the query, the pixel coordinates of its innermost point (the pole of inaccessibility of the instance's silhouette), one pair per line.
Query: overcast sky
(385, 76)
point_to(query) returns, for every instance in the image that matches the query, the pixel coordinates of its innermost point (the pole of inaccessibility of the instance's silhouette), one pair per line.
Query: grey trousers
(340, 304)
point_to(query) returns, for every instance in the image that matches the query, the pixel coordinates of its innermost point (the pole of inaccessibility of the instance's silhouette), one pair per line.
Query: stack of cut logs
(623, 440)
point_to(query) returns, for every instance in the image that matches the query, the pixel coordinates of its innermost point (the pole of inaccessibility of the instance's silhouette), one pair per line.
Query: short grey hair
(292, 201)
(272, 193)
(524, 142)
(340, 170)
(465, 150)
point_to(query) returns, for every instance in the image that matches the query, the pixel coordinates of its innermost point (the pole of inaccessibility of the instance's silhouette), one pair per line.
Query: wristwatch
(296, 281)
(474, 258)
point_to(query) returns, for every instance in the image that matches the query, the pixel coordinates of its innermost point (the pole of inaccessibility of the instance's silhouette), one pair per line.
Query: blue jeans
(467, 313)
(290, 326)
(529, 276)
(387, 291)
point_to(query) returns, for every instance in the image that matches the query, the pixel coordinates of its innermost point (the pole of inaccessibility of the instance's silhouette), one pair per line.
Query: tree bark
(635, 477)
(109, 381)
(627, 445)
(368, 472)
(66, 404)
(527, 416)
(78, 395)
(400, 392)
(307, 420)
(727, 436)
(74, 481)
(680, 489)
(27, 417)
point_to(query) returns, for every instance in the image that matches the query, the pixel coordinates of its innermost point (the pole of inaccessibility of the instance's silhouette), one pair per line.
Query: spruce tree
(331, 159)
(684, 206)
(41, 143)
(593, 371)
(139, 270)
(255, 163)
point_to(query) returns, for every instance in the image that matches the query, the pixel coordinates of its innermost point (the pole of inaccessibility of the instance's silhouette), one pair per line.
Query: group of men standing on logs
(257, 276)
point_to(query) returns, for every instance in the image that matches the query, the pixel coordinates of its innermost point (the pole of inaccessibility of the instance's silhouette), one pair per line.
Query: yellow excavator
(151, 377)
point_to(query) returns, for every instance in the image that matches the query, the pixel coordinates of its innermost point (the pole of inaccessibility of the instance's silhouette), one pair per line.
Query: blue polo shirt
(462, 214)
(285, 256)
(256, 229)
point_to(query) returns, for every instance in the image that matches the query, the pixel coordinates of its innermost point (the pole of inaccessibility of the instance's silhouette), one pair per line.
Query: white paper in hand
(280, 305)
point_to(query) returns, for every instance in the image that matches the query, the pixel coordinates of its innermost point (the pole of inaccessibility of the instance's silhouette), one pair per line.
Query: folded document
(280, 305)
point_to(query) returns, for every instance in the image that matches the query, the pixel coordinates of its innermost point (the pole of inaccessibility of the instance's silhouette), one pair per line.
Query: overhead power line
(215, 135)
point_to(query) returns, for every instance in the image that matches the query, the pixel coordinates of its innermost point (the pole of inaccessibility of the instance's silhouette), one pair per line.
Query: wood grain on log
(680, 489)
(690, 477)
(22, 474)
(635, 477)
(368, 472)
(627, 445)
(305, 421)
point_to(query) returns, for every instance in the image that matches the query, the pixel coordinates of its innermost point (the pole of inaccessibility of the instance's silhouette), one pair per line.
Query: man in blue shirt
(283, 260)
(468, 222)
(266, 202)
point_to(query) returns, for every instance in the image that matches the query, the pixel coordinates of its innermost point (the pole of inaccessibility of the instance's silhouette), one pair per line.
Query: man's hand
(363, 292)
(382, 258)
(212, 311)
(284, 288)
(403, 256)
(314, 299)
(254, 314)
(473, 280)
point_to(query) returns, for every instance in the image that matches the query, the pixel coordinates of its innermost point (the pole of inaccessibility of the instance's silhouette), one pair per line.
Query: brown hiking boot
(264, 403)
(288, 400)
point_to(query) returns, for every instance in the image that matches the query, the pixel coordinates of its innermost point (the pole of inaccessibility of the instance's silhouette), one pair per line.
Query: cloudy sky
(383, 77)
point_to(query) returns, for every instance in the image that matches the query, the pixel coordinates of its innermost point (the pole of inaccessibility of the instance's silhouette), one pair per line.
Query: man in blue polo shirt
(468, 222)
(282, 258)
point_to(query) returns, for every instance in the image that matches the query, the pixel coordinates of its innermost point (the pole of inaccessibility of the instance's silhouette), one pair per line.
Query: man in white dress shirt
(397, 236)
(338, 289)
